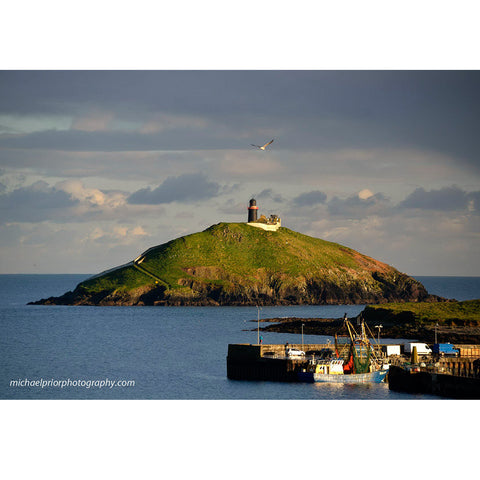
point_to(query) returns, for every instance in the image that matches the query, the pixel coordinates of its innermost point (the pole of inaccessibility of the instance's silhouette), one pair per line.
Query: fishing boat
(355, 363)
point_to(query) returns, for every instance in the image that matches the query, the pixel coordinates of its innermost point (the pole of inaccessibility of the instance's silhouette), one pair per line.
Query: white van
(422, 348)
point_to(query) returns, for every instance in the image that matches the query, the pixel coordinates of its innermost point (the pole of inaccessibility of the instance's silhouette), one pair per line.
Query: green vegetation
(228, 252)
(242, 250)
(451, 313)
(124, 279)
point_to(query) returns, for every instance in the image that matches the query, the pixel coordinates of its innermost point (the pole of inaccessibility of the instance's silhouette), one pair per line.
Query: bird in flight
(263, 147)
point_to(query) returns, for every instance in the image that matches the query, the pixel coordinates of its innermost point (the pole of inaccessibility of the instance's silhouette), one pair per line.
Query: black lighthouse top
(252, 210)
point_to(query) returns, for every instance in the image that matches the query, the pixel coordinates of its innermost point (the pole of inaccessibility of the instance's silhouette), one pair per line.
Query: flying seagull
(263, 147)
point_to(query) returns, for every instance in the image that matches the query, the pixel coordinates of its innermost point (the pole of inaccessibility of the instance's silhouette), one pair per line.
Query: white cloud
(77, 191)
(365, 193)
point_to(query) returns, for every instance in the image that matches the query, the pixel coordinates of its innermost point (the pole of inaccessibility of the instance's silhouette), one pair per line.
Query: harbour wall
(443, 384)
(261, 362)
(268, 361)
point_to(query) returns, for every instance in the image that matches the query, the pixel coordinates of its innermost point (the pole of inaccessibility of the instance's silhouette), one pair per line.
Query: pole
(258, 325)
(436, 325)
(302, 336)
(378, 327)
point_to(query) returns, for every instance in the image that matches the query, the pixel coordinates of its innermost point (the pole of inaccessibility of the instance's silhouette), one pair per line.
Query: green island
(237, 264)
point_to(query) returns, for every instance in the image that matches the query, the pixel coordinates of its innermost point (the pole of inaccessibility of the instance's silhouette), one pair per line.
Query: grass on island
(236, 252)
(123, 279)
(448, 313)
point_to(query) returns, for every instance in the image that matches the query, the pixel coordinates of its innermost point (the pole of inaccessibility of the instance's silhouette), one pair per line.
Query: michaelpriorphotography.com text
(67, 383)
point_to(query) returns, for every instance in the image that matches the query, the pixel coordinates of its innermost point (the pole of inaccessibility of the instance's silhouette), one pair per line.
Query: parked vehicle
(293, 352)
(445, 349)
(422, 348)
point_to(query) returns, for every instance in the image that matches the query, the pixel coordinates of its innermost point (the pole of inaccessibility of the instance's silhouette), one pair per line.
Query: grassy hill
(453, 313)
(236, 264)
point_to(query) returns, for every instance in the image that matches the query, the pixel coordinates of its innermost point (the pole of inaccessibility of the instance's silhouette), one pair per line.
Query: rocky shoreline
(208, 295)
(332, 326)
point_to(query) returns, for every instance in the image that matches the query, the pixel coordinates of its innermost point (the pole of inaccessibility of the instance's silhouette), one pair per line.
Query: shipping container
(469, 351)
(391, 349)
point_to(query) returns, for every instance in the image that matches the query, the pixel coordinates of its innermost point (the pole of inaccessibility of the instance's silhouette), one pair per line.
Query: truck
(445, 349)
(422, 348)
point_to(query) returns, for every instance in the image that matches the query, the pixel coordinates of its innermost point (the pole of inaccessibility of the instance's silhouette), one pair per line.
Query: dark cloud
(310, 198)
(474, 201)
(428, 110)
(34, 203)
(255, 91)
(182, 138)
(447, 198)
(184, 188)
(268, 193)
(356, 207)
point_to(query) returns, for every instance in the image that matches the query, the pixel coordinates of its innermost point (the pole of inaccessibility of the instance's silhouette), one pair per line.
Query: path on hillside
(136, 264)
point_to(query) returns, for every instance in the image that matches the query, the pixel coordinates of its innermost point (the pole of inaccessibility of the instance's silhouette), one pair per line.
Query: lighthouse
(252, 211)
(271, 224)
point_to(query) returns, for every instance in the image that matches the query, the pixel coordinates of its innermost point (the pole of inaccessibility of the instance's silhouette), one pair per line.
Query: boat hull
(371, 377)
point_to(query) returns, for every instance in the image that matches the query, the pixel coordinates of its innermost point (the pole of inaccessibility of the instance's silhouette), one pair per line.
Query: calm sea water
(169, 352)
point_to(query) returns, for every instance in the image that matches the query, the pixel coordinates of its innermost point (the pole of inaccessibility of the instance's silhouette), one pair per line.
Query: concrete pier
(438, 380)
(268, 361)
(456, 377)
(264, 362)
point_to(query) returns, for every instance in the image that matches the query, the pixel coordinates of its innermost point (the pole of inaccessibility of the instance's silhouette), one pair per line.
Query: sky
(98, 166)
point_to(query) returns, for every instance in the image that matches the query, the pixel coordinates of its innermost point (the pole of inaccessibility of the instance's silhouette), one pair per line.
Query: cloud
(93, 137)
(69, 201)
(184, 188)
(473, 202)
(310, 198)
(365, 193)
(446, 198)
(161, 122)
(117, 234)
(310, 109)
(93, 121)
(360, 205)
(268, 193)
(34, 203)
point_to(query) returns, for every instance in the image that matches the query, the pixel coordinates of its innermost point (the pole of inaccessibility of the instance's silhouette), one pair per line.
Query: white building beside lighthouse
(272, 223)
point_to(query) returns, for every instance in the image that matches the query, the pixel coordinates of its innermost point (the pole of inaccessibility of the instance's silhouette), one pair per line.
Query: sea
(162, 353)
